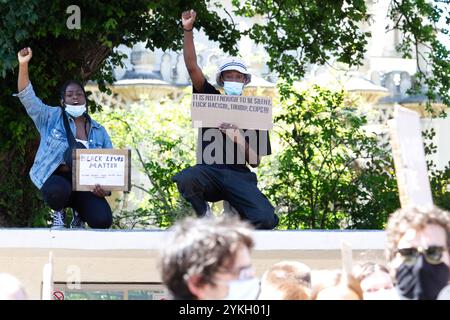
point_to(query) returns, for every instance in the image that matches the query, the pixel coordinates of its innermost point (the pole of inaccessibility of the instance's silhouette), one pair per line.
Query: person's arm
(251, 154)
(36, 109)
(236, 136)
(24, 57)
(107, 144)
(190, 57)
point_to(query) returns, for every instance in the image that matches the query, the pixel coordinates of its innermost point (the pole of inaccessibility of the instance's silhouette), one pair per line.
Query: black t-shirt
(260, 141)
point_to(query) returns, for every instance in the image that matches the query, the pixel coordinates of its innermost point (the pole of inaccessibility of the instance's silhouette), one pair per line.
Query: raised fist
(24, 55)
(188, 19)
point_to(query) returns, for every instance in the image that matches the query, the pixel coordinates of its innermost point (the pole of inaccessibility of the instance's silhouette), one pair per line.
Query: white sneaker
(229, 210)
(59, 218)
(208, 213)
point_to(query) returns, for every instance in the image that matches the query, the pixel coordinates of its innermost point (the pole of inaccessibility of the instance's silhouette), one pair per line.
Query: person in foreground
(418, 242)
(209, 259)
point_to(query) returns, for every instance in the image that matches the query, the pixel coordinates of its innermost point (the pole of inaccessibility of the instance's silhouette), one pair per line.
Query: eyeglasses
(432, 254)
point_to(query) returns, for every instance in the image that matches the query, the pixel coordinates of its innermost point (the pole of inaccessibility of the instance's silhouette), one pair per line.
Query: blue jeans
(58, 194)
(202, 183)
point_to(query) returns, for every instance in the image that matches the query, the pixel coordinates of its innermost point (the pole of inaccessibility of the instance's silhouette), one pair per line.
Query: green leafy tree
(330, 173)
(418, 21)
(295, 33)
(84, 54)
(439, 179)
(162, 142)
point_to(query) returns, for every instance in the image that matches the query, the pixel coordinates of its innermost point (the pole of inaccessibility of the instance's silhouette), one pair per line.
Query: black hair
(63, 93)
(68, 83)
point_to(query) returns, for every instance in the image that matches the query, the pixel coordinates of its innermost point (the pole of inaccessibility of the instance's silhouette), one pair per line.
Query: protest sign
(110, 168)
(409, 158)
(210, 110)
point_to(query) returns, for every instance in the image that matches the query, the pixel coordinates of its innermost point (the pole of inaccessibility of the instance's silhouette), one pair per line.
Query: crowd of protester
(210, 258)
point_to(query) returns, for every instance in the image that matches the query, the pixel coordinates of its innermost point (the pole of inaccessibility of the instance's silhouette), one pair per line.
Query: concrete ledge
(154, 239)
(132, 256)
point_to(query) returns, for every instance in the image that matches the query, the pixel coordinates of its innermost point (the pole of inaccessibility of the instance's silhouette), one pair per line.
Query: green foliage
(162, 142)
(297, 33)
(439, 179)
(330, 173)
(325, 172)
(60, 54)
(417, 20)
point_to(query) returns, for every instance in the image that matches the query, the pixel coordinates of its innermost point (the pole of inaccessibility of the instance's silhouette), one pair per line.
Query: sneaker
(59, 218)
(229, 210)
(76, 222)
(208, 213)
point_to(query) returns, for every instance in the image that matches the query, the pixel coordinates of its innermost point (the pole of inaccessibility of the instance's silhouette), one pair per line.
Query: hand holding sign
(101, 170)
(232, 132)
(227, 126)
(100, 192)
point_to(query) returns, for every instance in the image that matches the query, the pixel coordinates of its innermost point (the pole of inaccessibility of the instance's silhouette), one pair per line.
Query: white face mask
(243, 289)
(382, 294)
(75, 110)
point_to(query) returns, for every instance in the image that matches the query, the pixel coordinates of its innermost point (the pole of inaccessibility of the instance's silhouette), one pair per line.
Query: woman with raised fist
(51, 171)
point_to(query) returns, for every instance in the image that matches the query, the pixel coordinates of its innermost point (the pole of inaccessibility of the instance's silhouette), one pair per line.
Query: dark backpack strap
(70, 138)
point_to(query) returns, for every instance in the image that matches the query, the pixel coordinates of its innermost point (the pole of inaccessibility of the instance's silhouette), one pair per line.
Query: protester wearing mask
(209, 259)
(51, 171)
(225, 177)
(418, 251)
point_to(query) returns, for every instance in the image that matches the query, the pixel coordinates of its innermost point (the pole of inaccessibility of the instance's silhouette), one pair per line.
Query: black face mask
(422, 280)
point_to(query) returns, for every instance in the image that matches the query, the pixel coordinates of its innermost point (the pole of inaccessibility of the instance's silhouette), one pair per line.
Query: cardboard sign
(409, 158)
(110, 168)
(210, 110)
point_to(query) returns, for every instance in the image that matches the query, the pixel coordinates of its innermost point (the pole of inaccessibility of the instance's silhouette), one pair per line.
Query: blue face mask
(75, 110)
(233, 88)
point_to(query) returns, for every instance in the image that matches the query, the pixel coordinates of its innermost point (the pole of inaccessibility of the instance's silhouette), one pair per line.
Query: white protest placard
(409, 158)
(347, 257)
(109, 168)
(47, 279)
(210, 110)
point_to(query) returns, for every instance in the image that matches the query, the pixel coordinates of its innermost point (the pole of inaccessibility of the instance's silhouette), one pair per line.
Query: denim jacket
(53, 144)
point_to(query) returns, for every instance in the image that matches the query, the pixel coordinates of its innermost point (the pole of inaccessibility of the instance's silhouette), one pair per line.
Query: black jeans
(202, 183)
(58, 194)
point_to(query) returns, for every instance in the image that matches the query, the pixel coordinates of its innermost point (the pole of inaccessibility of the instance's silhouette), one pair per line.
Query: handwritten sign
(109, 168)
(409, 158)
(210, 110)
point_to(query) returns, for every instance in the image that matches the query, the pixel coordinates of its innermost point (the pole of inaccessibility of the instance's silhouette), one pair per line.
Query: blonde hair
(335, 279)
(291, 279)
(414, 218)
(362, 271)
